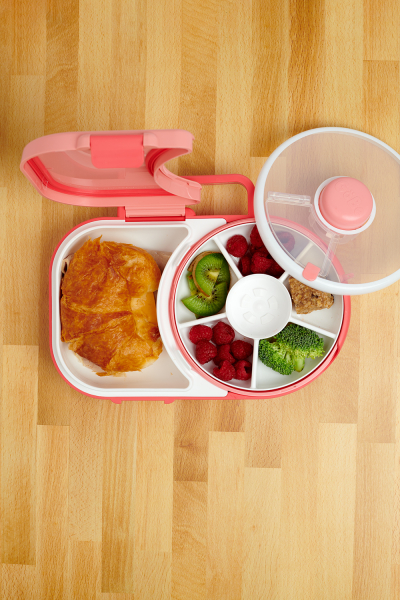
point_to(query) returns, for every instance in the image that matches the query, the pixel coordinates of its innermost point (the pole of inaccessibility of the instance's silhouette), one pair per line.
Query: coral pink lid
(346, 203)
(112, 168)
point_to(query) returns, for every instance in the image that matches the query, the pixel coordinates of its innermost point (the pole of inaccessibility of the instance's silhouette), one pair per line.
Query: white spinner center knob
(258, 306)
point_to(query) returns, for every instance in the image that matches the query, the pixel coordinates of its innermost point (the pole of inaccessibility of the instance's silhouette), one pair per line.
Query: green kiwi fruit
(210, 270)
(205, 306)
(196, 260)
(192, 286)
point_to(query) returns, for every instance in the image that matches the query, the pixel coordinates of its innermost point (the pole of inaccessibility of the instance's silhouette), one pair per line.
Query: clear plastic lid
(332, 196)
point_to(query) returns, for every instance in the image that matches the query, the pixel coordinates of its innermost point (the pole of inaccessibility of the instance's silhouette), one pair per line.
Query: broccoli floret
(274, 356)
(302, 342)
(288, 350)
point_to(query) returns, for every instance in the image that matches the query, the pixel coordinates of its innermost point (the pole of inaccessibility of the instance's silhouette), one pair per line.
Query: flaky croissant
(108, 313)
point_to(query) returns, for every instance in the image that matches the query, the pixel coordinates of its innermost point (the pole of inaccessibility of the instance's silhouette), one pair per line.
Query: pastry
(107, 307)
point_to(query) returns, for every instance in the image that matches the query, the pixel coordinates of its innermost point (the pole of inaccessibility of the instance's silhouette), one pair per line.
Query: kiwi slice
(196, 260)
(192, 286)
(205, 306)
(210, 270)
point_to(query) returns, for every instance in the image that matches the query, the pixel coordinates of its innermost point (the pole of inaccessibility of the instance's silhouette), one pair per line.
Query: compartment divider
(202, 321)
(255, 365)
(228, 257)
(284, 276)
(312, 327)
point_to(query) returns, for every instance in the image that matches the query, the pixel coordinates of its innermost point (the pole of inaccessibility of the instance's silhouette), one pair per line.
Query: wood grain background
(296, 498)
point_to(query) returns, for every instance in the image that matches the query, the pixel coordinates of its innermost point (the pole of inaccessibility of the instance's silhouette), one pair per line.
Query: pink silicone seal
(346, 203)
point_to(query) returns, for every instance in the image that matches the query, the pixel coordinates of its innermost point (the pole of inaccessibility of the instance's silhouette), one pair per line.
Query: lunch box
(334, 190)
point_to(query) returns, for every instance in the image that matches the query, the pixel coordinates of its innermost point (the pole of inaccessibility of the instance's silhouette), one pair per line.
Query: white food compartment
(169, 376)
(208, 367)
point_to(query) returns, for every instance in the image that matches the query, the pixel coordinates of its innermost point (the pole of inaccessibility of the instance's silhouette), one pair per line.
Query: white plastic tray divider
(255, 364)
(202, 321)
(319, 330)
(284, 276)
(228, 258)
(298, 257)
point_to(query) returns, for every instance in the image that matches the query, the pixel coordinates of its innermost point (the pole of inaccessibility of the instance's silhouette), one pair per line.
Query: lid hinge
(126, 213)
(152, 219)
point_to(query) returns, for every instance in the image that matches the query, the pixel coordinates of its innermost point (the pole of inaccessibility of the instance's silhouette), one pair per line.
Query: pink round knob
(346, 203)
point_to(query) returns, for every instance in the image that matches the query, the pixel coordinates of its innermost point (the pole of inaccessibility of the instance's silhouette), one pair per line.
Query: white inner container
(326, 323)
(170, 375)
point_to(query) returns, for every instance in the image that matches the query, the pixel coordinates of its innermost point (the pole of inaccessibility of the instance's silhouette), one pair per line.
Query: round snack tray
(327, 323)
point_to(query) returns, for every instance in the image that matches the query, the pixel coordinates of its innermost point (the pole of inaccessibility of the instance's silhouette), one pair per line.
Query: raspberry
(274, 269)
(237, 246)
(226, 371)
(222, 334)
(199, 333)
(254, 249)
(205, 351)
(244, 265)
(241, 349)
(262, 252)
(286, 240)
(224, 353)
(255, 238)
(260, 264)
(243, 370)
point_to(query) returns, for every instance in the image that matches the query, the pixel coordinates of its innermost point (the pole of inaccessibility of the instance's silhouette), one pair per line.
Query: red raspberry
(286, 240)
(255, 238)
(237, 246)
(241, 349)
(243, 370)
(222, 334)
(260, 264)
(262, 252)
(226, 371)
(199, 333)
(262, 248)
(274, 269)
(224, 353)
(244, 265)
(205, 351)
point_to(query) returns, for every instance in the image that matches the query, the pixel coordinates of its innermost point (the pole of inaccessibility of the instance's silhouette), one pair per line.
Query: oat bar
(307, 299)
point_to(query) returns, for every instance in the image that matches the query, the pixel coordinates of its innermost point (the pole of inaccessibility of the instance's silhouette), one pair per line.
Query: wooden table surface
(296, 498)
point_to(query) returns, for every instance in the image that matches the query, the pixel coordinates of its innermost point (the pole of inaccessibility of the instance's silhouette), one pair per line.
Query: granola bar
(307, 299)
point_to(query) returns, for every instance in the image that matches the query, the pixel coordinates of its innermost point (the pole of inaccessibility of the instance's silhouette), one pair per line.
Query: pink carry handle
(228, 179)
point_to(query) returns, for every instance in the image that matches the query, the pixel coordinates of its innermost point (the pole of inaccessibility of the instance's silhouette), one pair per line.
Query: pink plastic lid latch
(117, 151)
(310, 272)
